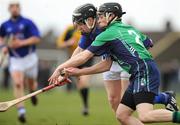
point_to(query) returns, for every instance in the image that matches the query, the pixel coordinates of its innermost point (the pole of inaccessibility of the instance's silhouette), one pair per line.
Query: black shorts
(87, 64)
(132, 100)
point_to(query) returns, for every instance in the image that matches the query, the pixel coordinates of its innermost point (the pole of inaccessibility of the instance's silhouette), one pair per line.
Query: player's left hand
(54, 77)
(16, 43)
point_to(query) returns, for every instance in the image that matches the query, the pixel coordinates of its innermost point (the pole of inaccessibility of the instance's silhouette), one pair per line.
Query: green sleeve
(143, 37)
(106, 36)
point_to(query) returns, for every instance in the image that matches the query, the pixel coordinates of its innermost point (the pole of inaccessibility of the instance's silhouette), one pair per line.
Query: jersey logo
(132, 49)
(143, 82)
(91, 9)
(21, 26)
(9, 29)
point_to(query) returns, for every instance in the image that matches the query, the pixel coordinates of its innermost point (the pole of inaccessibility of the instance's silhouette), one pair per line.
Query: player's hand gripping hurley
(7, 42)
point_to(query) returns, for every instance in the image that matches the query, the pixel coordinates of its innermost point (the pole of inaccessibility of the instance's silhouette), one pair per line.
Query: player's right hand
(16, 43)
(5, 50)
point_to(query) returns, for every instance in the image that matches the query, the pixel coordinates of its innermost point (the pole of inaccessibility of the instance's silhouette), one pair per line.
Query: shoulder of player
(5, 23)
(27, 21)
(107, 35)
(83, 41)
(69, 28)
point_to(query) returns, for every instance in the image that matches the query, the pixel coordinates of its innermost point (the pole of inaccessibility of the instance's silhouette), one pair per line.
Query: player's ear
(111, 15)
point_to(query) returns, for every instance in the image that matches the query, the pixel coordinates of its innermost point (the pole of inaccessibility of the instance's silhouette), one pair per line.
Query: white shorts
(116, 73)
(28, 65)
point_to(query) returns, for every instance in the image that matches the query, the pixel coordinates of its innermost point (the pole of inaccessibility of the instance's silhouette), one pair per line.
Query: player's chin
(84, 33)
(101, 26)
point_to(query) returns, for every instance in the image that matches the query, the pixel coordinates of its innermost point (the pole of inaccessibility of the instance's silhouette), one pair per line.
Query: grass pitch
(58, 107)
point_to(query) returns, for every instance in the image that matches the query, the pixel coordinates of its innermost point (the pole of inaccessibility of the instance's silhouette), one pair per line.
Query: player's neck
(15, 18)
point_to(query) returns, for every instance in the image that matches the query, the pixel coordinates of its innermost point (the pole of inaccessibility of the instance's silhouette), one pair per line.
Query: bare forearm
(64, 44)
(76, 60)
(1, 41)
(76, 51)
(31, 41)
(70, 42)
(97, 68)
(72, 62)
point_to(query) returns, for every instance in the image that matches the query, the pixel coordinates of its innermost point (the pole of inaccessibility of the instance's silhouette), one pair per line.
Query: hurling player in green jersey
(116, 80)
(124, 44)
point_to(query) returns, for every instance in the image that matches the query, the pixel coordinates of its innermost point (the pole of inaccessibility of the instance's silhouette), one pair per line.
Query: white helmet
(14, 2)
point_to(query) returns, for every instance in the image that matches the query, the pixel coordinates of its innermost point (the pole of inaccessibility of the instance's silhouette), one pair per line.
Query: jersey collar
(17, 19)
(114, 22)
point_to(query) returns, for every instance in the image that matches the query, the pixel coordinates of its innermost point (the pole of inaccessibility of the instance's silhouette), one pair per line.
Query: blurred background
(159, 19)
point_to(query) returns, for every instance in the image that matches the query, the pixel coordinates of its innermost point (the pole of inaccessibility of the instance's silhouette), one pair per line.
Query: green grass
(60, 108)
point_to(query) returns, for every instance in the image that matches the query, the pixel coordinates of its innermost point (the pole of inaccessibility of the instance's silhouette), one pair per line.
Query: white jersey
(116, 73)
